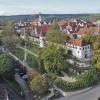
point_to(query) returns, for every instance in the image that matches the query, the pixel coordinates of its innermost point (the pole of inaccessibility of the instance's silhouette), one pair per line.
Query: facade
(42, 40)
(80, 49)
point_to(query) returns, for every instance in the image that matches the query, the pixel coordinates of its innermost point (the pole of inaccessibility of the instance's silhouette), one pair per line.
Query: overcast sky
(12, 7)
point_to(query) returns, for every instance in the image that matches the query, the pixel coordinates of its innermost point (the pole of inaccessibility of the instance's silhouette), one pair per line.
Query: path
(20, 61)
(28, 51)
(67, 78)
(90, 94)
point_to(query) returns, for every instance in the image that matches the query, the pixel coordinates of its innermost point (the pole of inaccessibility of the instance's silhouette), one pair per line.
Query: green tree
(6, 64)
(54, 35)
(96, 54)
(89, 77)
(89, 38)
(39, 84)
(53, 59)
(9, 38)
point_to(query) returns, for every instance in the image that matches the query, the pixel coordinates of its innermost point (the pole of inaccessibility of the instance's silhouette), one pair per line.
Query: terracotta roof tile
(78, 42)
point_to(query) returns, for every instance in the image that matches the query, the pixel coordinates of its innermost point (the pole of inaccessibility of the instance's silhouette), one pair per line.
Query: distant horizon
(51, 14)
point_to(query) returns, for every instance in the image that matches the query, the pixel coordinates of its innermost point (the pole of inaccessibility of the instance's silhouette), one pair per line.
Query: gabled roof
(35, 20)
(42, 29)
(78, 42)
(85, 30)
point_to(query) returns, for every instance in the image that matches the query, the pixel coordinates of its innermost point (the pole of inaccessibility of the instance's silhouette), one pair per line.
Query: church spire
(40, 18)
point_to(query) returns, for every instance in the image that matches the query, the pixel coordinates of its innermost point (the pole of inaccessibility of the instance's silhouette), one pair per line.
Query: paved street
(24, 87)
(92, 94)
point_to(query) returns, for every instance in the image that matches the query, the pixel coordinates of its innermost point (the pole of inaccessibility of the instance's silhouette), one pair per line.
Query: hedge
(69, 86)
(87, 79)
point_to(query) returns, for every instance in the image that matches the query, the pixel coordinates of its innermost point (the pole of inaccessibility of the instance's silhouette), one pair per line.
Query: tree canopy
(9, 39)
(89, 38)
(54, 35)
(6, 64)
(39, 84)
(53, 59)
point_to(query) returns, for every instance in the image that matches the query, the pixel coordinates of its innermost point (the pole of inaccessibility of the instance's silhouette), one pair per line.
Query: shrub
(69, 86)
(85, 80)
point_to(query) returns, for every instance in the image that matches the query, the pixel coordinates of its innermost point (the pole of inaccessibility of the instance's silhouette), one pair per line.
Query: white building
(42, 40)
(79, 48)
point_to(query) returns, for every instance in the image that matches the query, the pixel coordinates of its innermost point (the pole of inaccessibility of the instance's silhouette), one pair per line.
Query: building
(80, 48)
(39, 21)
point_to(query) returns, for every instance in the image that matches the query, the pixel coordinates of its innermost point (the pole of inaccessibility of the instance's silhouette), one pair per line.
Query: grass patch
(32, 47)
(32, 61)
(19, 53)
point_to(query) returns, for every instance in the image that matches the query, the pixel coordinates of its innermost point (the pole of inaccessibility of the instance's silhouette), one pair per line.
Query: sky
(16, 7)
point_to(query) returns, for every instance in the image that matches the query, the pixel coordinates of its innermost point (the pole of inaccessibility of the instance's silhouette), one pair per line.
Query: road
(24, 87)
(20, 80)
(92, 94)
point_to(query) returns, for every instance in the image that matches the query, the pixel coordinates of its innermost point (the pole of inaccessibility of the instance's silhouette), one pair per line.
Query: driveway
(92, 94)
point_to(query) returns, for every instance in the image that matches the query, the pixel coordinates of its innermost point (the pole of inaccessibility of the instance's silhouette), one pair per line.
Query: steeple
(40, 18)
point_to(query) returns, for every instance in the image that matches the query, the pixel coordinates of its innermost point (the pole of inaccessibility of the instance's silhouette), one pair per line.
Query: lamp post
(25, 47)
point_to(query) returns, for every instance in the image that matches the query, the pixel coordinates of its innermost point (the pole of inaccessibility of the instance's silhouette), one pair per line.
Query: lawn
(32, 61)
(32, 47)
(19, 53)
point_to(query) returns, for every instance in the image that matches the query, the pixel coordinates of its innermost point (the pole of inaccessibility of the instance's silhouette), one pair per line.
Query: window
(80, 48)
(76, 47)
(88, 47)
(78, 52)
(85, 47)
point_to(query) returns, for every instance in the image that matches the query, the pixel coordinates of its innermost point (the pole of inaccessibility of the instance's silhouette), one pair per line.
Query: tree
(53, 59)
(89, 38)
(6, 64)
(89, 77)
(9, 37)
(96, 54)
(96, 45)
(54, 35)
(54, 25)
(39, 84)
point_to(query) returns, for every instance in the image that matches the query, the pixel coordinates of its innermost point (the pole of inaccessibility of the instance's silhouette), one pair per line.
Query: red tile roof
(35, 20)
(62, 22)
(97, 29)
(85, 30)
(42, 29)
(78, 42)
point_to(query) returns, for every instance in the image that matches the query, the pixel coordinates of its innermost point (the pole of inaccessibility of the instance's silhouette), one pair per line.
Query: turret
(42, 39)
